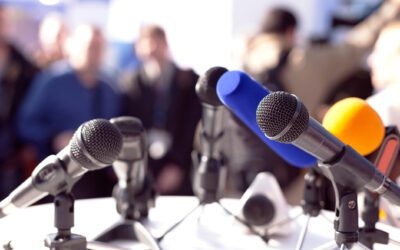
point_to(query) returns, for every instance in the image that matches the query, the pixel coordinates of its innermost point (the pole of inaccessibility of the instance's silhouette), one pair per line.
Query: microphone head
(356, 123)
(259, 210)
(132, 131)
(96, 144)
(206, 86)
(282, 117)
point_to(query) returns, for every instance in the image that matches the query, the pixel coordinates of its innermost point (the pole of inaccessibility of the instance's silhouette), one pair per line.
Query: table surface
(209, 227)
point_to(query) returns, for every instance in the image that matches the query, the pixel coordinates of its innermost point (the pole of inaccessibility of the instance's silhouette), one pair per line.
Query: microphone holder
(346, 211)
(64, 221)
(347, 233)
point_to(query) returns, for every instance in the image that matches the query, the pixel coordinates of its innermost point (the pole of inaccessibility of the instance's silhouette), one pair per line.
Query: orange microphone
(356, 123)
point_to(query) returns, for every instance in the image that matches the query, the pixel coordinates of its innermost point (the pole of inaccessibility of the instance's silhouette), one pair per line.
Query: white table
(215, 229)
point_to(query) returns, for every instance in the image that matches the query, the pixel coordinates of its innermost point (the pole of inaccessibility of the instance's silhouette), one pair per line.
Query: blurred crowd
(44, 97)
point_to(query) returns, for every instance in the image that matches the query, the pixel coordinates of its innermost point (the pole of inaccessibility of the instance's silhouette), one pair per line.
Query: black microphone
(134, 192)
(283, 118)
(209, 177)
(95, 145)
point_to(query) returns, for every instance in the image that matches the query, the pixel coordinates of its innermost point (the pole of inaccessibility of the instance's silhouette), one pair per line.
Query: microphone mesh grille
(275, 113)
(101, 140)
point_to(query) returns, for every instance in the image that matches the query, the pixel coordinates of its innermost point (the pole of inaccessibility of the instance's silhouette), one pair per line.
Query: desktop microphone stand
(368, 234)
(313, 200)
(346, 211)
(207, 187)
(133, 207)
(64, 221)
(346, 208)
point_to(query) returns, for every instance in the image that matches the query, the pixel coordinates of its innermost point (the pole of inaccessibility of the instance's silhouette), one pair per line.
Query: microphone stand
(369, 234)
(384, 159)
(346, 209)
(313, 200)
(64, 221)
(207, 187)
(133, 208)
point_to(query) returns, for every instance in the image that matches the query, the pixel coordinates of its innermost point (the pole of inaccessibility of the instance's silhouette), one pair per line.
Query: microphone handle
(23, 196)
(352, 170)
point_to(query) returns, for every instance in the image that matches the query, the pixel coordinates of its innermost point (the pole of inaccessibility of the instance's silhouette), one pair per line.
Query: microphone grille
(206, 86)
(96, 144)
(276, 117)
(259, 210)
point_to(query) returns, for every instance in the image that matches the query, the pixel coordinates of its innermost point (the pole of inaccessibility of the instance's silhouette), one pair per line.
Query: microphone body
(337, 161)
(241, 95)
(134, 191)
(131, 164)
(211, 131)
(96, 144)
(210, 174)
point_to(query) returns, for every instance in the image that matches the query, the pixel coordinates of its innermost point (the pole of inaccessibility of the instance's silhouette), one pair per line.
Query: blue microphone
(241, 94)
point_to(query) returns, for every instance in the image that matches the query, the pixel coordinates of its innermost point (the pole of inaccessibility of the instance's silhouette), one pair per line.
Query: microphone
(264, 206)
(131, 164)
(212, 112)
(241, 95)
(95, 145)
(134, 191)
(355, 123)
(283, 118)
(209, 179)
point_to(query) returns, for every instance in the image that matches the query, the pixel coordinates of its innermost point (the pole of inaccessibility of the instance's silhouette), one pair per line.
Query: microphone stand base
(132, 231)
(376, 236)
(74, 242)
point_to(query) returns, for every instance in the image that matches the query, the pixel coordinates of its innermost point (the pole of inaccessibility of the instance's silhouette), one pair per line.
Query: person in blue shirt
(60, 102)
(56, 106)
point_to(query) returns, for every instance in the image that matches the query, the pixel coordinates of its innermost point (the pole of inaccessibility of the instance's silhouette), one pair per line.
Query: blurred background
(200, 33)
(142, 58)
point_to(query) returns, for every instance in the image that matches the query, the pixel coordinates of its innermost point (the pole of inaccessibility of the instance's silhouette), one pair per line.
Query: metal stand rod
(159, 239)
(264, 238)
(394, 242)
(312, 202)
(303, 233)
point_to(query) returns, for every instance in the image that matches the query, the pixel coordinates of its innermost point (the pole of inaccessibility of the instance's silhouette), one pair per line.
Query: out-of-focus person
(311, 72)
(16, 74)
(54, 108)
(52, 35)
(163, 96)
(385, 64)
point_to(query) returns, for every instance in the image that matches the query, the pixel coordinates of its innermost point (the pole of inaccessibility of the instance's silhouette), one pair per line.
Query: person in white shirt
(385, 73)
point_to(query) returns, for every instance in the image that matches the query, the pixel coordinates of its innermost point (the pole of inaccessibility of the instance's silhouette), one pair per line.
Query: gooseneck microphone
(134, 192)
(210, 174)
(95, 144)
(283, 118)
